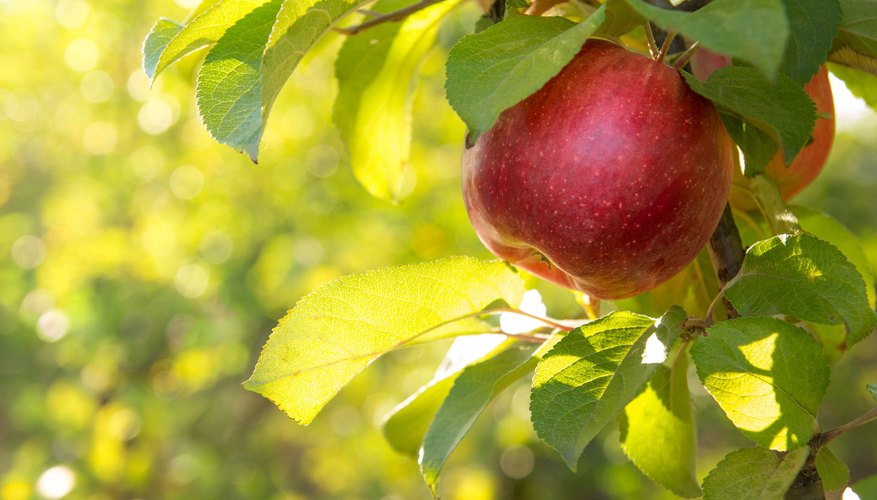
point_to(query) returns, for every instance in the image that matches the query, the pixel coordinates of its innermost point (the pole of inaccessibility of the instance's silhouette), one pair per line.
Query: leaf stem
(650, 41)
(829, 436)
(686, 56)
(396, 15)
(548, 321)
(665, 47)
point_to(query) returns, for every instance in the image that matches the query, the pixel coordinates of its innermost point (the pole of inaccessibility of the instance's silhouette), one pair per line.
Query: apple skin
(806, 166)
(608, 180)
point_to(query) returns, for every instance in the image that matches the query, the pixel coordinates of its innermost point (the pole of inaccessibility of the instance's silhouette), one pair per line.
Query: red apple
(809, 162)
(608, 180)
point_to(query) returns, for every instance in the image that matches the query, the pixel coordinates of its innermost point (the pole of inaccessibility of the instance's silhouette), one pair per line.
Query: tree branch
(726, 253)
(396, 15)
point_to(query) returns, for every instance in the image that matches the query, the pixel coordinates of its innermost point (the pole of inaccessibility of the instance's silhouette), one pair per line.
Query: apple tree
(640, 154)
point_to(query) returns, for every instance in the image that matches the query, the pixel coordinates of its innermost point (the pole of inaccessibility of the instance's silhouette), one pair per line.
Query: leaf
(495, 69)
(866, 488)
(781, 109)
(834, 473)
(872, 388)
(758, 147)
(752, 30)
(376, 75)
(805, 277)
(657, 430)
(754, 474)
(620, 19)
(585, 380)
(159, 36)
(814, 24)
(854, 60)
(767, 375)
(858, 26)
(408, 422)
(204, 29)
(476, 386)
(336, 331)
(228, 89)
(862, 85)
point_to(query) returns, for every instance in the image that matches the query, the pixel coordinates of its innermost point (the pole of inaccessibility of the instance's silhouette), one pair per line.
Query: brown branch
(829, 436)
(726, 253)
(396, 15)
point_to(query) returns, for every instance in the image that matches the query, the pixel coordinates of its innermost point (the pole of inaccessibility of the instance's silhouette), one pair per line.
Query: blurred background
(142, 267)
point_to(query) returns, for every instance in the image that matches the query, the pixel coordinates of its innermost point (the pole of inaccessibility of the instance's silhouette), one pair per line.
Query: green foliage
(834, 473)
(495, 69)
(588, 377)
(804, 277)
(860, 83)
(767, 375)
(781, 109)
(872, 388)
(813, 25)
(753, 474)
(858, 26)
(339, 329)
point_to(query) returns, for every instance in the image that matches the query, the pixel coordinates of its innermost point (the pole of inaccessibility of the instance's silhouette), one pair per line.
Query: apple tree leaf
(814, 24)
(858, 27)
(804, 277)
(621, 18)
(862, 85)
(495, 69)
(752, 30)
(834, 473)
(866, 488)
(754, 474)
(591, 374)
(657, 430)
(767, 375)
(376, 73)
(872, 388)
(473, 389)
(781, 109)
(162, 32)
(336, 331)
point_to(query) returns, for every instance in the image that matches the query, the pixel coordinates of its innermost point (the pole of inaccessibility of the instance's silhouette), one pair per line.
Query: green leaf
(229, 89)
(858, 26)
(476, 386)
(204, 29)
(781, 109)
(495, 69)
(657, 430)
(376, 74)
(336, 331)
(585, 380)
(866, 488)
(862, 85)
(758, 146)
(872, 388)
(834, 473)
(752, 30)
(804, 277)
(767, 375)
(162, 32)
(620, 19)
(813, 26)
(754, 474)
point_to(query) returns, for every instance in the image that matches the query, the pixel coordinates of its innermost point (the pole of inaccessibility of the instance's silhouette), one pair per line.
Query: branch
(726, 253)
(396, 15)
(829, 436)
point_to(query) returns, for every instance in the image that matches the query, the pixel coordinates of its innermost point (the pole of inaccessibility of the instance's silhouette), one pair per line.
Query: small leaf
(781, 109)
(872, 388)
(813, 26)
(807, 278)
(754, 474)
(336, 331)
(159, 36)
(620, 19)
(476, 386)
(834, 473)
(228, 89)
(862, 85)
(585, 380)
(205, 28)
(495, 69)
(767, 375)
(752, 30)
(657, 430)
(866, 488)
(376, 73)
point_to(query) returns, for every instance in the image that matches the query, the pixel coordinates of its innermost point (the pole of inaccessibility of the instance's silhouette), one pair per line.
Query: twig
(396, 15)
(665, 47)
(686, 56)
(829, 436)
(548, 321)
(726, 254)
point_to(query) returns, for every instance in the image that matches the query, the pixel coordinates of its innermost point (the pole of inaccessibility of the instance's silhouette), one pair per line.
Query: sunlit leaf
(754, 474)
(337, 330)
(162, 32)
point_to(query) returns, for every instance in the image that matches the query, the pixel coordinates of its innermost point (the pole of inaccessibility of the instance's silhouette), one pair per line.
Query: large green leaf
(229, 89)
(476, 386)
(767, 375)
(336, 331)
(495, 69)
(588, 377)
(752, 30)
(754, 474)
(376, 74)
(657, 430)
(781, 108)
(807, 278)
(813, 26)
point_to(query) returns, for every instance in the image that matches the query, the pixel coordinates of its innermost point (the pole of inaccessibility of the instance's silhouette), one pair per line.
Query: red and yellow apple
(607, 180)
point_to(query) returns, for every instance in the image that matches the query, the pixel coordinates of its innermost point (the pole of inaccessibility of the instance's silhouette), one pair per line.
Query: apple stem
(650, 41)
(686, 56)
(665, 47)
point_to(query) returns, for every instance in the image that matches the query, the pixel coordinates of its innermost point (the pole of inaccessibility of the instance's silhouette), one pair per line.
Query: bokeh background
(142, 267)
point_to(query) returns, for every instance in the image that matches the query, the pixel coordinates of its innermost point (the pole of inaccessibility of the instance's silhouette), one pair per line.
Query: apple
(806, 166)
(607, 180)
